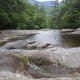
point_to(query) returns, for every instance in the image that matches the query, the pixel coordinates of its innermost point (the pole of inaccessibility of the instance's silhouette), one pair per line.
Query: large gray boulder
(78, 29)
(67, 30)
(75, 33)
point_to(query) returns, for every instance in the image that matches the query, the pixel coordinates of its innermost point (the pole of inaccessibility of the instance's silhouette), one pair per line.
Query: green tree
(68, 15)
(40, 17)
(16, 14)
(54, 15)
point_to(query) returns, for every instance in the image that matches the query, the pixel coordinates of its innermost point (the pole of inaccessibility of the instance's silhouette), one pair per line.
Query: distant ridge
(45, 3)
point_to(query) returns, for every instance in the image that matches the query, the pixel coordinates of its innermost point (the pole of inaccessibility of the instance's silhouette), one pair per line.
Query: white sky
(47, 0)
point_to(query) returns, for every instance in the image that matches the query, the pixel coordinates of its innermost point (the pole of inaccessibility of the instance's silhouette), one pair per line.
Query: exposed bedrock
(45, 63)
(25, 44)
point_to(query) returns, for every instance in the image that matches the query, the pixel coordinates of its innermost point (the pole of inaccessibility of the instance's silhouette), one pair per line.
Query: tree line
(20, 14)
(66, 14)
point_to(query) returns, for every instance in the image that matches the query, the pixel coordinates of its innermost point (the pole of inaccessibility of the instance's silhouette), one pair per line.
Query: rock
(75, 33)
(67, 30)
(6, 75)
(20, 44)
(37, 46)
(31, 46)
(78, 29)
(20, 63)
(12, 35)
(19, 32)
(25, 44)
(45, 45)
(60, 62)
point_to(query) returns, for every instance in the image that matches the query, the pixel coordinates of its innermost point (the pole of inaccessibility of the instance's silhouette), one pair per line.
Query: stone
(37, 46)
(67, 30)
(78, 29)
(25, 44)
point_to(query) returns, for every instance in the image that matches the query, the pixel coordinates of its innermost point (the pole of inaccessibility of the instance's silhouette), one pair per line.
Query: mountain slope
(45, 3)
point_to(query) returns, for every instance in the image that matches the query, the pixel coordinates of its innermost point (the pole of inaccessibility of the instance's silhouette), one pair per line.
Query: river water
(56, 38)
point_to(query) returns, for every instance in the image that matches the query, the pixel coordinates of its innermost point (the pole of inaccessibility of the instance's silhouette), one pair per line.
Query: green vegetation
(66, 15)
(19, 14)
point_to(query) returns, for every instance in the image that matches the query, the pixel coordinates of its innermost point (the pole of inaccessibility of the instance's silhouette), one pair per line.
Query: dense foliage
(67, 14)
(19, 14)
(14, 14)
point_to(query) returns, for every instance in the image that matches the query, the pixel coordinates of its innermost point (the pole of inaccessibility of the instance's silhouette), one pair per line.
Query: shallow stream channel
(40, 53)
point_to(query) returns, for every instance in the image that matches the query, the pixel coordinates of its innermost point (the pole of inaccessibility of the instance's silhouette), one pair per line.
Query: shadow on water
(57, 39)
(69, 41)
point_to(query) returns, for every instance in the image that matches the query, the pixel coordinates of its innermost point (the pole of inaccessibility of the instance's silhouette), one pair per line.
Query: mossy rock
(24, 59)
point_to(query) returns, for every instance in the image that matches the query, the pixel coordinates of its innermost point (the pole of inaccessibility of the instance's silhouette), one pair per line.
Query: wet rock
(67, 30)
(19, 32)
(25, 44)
(78, 29)
(37, 46)
(20, 44)
(5, 75)
(12, 35)
(75, 33)
(31, 46)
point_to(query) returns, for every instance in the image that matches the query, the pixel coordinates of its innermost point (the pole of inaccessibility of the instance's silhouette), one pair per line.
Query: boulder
(37, 46)
(25, 44)
(75, 33)
(67, 30)
(78, 29)
(20, 44)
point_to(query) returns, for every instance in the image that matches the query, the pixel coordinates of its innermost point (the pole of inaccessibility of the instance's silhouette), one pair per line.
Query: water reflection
(57, 39)
(69, 41)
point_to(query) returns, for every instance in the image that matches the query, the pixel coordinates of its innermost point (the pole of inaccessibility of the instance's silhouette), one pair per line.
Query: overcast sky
(47, 0)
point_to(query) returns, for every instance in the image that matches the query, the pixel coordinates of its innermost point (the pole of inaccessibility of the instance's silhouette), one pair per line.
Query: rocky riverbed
(22, 57)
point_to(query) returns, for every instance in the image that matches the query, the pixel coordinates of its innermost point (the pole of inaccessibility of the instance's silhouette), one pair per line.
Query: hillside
(45, 3)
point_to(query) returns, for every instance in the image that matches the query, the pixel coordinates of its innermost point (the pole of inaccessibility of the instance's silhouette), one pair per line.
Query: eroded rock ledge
(18, 60)
(42, 63)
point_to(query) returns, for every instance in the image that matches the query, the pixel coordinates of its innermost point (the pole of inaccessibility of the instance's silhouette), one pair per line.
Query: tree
(54, 15)
(68, 15)
(15, 14)
(40, 17)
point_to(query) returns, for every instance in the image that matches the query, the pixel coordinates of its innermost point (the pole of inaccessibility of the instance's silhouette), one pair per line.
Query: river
(56, 38)
(60, 59)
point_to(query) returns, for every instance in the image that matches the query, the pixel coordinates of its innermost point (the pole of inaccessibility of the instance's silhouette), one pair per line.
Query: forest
(20, 14)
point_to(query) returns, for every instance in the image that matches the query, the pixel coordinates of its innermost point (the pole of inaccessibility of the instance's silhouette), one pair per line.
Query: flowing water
(57, 39)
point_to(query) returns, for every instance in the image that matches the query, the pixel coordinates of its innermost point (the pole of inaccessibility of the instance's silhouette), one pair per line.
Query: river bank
(39, 54)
